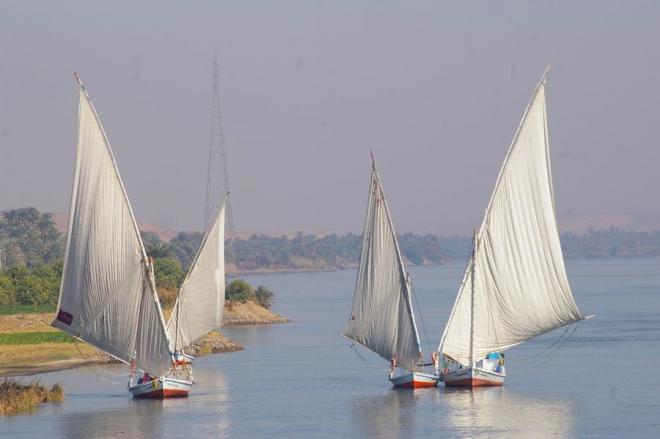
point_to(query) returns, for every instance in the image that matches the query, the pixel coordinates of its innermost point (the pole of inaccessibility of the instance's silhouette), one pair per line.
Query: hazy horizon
(436, 90)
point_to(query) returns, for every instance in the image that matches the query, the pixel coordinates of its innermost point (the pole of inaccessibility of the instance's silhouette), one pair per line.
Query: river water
(302, 379)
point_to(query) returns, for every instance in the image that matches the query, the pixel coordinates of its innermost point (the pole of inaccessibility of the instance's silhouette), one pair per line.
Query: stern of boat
(161, 388)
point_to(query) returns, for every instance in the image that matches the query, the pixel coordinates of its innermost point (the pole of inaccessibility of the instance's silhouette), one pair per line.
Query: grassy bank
(23, 338)
(16, 397)
(28, 345)
(7, 310)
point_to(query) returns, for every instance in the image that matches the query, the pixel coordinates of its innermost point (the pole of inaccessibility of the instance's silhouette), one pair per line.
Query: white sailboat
(201, 300)
(382, 318)
(108, 295)
(515, 285)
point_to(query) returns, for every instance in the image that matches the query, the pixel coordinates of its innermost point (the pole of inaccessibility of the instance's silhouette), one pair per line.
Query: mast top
(545, 73)
(80, 83)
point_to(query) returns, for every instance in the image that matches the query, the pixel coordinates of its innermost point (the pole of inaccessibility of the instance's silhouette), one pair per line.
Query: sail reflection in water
(385, 415)
(498, 412)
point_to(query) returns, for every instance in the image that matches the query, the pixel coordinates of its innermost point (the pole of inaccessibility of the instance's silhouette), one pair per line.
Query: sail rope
(364, 359)
(427, 340)
(102, 372)
(551, 351)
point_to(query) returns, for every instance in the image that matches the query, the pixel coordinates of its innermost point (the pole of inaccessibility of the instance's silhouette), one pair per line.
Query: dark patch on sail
(65, 317)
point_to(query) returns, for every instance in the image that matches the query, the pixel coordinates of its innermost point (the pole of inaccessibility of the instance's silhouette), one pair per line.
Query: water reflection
(388, 415)
(488, 412)
(141, 419)
(495, 412)
(207, 407)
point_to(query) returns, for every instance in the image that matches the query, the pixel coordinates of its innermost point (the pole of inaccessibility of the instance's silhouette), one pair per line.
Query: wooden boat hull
(161, 388)
(472, 377)
(415, 380)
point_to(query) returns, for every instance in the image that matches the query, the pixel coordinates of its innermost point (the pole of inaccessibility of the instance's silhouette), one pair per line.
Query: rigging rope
(364, 360)
(554, 348)
(421, 320)
(100, 371)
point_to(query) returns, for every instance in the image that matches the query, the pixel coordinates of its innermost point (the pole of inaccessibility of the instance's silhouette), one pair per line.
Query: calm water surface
(303, 380)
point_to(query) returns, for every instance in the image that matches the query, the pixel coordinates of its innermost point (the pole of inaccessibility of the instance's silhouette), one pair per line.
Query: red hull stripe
(472, 382)
(417, 384)
(163, 393)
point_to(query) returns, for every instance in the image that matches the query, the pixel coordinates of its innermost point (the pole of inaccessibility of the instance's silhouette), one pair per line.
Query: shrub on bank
(16, 397)
(239, 290)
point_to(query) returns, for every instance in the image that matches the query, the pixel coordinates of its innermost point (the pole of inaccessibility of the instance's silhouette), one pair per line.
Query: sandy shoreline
(19, 370)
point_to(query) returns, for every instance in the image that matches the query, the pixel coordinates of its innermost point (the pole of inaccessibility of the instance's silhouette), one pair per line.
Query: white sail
(521, 289)
(106, 297)
(382, 318)
(199, 307)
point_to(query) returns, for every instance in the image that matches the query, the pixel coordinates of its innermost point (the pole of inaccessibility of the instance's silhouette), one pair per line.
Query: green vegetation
(22, 338)
(168, 273)
(31, 249)
(29, 238)
(26, 309)
(264, 297)
(39, 285)
(240, 291)
(184, 246)
(16, 397)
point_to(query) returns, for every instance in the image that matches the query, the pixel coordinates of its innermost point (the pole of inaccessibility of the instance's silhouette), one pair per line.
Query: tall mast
(472, 281)
(217, 181)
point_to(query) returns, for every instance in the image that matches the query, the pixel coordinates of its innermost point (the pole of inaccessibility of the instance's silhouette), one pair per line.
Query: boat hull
(161, 388)
(415, 380)
(183, 359)
(472, 377)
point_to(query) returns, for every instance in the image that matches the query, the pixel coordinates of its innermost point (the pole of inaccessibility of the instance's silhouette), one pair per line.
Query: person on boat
(392, 366)
(498, 359)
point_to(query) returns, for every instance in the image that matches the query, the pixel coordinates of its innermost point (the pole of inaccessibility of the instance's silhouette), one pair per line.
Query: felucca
(382, 318)
(108, 294)
(515, 285)
(201, 300)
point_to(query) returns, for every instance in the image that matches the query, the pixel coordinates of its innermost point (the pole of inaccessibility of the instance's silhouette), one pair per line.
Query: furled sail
(201, 300)
(382, 318)
(521, 289)
(107, 297)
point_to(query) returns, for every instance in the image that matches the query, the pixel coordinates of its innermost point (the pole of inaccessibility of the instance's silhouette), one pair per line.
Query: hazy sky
(436, 89)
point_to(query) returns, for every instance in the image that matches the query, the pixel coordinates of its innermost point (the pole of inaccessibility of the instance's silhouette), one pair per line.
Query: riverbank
(29, 345)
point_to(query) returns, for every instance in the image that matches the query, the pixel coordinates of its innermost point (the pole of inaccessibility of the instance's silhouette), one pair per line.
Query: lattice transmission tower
(217, 180)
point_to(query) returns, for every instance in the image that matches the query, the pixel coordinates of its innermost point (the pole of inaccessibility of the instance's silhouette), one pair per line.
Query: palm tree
(158, 250)
(264, 296)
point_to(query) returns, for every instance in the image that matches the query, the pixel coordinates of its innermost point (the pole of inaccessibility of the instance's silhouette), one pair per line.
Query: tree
(239, 290)
(264, 296)
(29, 237)
(168, 273)
(155, 248)
(7, 296)
(185, 245)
